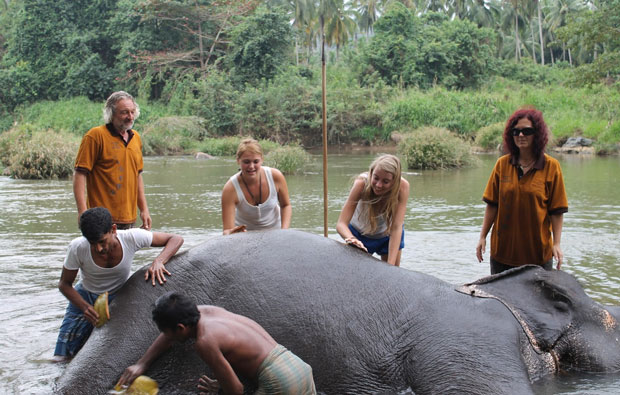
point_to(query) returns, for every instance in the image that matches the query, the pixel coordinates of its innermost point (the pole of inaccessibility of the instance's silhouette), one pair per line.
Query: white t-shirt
(97, 279)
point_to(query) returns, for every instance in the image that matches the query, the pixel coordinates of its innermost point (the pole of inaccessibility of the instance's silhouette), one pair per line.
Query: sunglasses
(525, 131)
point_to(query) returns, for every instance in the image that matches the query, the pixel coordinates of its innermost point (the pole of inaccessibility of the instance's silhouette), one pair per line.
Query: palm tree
(339, 23)
(557, 12)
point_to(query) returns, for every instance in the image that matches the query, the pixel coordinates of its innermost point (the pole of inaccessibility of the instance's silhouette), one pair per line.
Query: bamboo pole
(324, 97)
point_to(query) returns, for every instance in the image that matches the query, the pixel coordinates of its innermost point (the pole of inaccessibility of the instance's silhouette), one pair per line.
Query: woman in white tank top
(257, 196)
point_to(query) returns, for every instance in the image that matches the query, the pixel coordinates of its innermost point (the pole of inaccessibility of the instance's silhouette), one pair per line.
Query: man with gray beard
(109, 165)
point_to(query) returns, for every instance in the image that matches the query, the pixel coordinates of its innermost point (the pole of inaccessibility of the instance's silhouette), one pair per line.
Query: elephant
(364, 326)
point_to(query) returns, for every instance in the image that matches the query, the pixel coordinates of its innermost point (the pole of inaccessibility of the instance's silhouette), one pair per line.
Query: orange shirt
(521, 232)
(113, 167)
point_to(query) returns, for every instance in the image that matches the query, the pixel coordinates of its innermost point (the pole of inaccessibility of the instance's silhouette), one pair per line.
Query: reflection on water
(444, 214)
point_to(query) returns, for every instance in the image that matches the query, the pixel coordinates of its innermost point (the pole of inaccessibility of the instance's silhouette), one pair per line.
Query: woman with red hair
(525, 198)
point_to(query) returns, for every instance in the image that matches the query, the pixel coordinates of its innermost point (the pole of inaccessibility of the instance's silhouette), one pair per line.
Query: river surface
(38, 220)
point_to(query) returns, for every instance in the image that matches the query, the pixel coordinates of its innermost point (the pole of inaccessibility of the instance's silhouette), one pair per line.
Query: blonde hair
(249, 145)
(370, 212)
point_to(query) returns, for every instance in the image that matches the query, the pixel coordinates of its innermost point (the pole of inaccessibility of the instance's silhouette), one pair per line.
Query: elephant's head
(558, 317)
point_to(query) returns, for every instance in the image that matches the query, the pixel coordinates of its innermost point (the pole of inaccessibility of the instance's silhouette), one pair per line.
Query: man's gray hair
(110, 105)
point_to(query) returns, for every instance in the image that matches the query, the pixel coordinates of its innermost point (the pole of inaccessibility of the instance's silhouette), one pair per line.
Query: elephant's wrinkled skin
(363, 326)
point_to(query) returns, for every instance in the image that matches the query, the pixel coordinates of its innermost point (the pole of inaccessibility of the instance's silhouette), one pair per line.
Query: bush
(46, 155)
(490, 137)
(435, 148)
(172, 135)
(289, 159)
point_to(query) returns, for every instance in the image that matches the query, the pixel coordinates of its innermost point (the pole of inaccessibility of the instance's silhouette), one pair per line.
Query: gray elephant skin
(364, 326)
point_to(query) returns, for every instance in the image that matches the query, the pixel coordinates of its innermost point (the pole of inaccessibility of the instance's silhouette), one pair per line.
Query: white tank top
(264, 216)
(358, 222)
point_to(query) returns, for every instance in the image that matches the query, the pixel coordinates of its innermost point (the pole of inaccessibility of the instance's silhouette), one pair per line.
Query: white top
(97, 279)
(264, 216)
(359, 222)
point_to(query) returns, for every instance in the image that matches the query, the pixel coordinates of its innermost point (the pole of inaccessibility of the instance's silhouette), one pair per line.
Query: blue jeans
(380, 246)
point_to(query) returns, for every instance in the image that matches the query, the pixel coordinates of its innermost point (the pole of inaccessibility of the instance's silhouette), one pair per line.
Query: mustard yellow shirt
(521, 232)
(112, 168)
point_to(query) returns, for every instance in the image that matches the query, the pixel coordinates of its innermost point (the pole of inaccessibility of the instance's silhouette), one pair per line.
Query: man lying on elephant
(229, 343)
(103, 256)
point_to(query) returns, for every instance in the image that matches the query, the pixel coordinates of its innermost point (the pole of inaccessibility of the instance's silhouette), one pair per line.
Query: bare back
(242, 342)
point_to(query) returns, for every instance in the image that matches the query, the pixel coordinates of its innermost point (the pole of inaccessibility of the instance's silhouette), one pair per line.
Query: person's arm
(229, 205)
(490, 212)
(286, 211)
(65, 285)
(159, 346)
(79, 191)
(396, 230)
(224, 373)
(145, 216)
(342, 226)
(171, 244)
(557, 221)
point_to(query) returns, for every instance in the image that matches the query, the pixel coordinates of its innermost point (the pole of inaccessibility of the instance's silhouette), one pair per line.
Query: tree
(259, 46)
(597, 30)
(66, 55)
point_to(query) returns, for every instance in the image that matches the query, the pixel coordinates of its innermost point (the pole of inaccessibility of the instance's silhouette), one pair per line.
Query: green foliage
(596, 30)
(65, 55)
(260, 46)
(528, 72)
(172, 135)
(460, 112)
(38, 155)
(227, 146)
(288, 159)
(413, 51)
(370, 134)
(214, 100)
(435, 148)
(490, 137)
(76, 115)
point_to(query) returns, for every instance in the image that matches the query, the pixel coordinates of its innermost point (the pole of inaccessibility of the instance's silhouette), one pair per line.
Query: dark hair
(173, 308)
(94, 223)
(541, 137)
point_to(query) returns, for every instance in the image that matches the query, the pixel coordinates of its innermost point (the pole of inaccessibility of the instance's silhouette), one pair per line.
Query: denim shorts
(379, 246)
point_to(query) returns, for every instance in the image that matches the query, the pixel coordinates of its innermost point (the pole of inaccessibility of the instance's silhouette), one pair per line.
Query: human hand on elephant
(354, 241)
(156, 271)
(129, 375)
(236, 229)
(207, 385)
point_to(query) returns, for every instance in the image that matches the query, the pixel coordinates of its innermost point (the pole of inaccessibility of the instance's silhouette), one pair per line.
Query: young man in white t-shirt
(103, 256)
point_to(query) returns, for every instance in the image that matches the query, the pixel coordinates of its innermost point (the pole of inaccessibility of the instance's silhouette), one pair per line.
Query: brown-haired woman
(257, 196)
(525, 198)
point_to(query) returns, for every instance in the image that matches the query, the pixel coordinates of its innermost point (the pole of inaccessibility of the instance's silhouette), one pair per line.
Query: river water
(444, 214)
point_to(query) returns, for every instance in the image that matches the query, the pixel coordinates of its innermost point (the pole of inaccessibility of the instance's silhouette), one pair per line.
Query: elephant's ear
(541, 300)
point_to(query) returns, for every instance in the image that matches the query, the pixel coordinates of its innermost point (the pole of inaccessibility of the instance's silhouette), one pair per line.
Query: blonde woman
(257, 196)
(373, 216)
